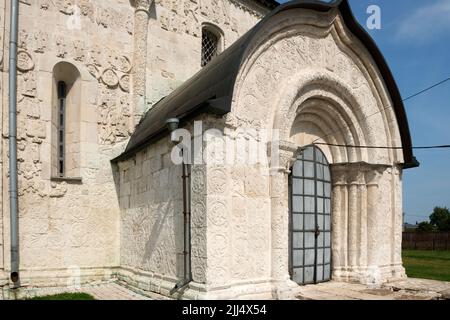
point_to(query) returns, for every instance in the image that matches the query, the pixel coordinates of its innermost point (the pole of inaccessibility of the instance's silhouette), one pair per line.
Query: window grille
(210, 46)
(62, 95)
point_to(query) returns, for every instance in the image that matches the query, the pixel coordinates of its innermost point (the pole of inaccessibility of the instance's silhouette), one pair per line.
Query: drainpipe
(172, 125)
(12, 92)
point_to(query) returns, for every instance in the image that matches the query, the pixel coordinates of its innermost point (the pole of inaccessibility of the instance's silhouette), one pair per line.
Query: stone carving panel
(185, 16)
(24, 61)
(218, 214)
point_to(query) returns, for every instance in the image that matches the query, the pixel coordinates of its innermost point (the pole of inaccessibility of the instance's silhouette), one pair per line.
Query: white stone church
(100, 86)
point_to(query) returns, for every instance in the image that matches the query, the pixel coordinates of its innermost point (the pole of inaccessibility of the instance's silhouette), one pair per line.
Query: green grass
(433, 265)
(66, 296)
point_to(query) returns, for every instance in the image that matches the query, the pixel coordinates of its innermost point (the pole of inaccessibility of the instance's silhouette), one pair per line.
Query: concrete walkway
(408, 289)
(100, 291)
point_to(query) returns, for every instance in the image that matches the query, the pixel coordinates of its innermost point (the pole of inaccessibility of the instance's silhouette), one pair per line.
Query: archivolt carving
(316, 64)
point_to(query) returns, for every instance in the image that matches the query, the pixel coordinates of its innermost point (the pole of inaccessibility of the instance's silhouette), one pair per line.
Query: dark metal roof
(211, 89)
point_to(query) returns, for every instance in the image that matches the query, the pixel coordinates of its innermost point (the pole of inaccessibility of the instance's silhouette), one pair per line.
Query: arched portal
(310, 217)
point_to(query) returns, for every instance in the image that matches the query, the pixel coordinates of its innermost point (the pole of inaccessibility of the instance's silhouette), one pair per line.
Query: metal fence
(426, 240)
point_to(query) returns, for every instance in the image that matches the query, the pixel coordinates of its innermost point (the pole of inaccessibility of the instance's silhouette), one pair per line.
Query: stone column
(279, 193)
(372, 176)
(141, 19)
(338, 218)
(398, 219)
(353, 215)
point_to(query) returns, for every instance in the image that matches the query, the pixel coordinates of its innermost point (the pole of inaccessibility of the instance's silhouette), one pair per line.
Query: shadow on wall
(163, 245)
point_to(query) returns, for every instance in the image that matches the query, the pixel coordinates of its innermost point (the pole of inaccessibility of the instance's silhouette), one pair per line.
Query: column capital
(281, 155)
(357, 173)
(142, 5)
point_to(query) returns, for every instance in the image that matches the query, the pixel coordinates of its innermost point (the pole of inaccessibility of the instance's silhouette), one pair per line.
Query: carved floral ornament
(24, 61)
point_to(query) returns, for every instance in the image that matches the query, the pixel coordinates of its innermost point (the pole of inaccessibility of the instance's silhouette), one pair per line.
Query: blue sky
(415, 40)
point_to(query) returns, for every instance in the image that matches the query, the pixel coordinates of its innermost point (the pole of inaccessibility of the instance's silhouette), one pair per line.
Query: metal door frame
(291, 215)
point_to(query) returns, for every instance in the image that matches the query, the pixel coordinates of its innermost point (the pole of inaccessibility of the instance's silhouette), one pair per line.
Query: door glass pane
(309, 275)
(309, 187)
(309, 257)
(319, 273)
(298, 258)
(297, 204)
(326, 175)
(310, 205)
(298, 169)
(327, 239)
(297, 240)
(327, 206)
(327, 223)
(319, 157)
(309, 169)
(310, 221)
(298, 275)
(297, 221)
(319, 205)
(327, 272)
(308, 154)
(320, 220)
(309, 240)
(327, 255)
(327, 190)
(319, 168)
(297, 186)
(320, 240)
(319, 256)
(320, 188)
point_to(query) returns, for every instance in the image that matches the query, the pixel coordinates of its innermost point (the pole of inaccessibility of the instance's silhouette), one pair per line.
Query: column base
(373, 276)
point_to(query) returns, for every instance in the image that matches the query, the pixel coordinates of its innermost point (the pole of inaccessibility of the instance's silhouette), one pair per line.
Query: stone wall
(178, 24)
(151, 201)
(71, 222)
(75, 221)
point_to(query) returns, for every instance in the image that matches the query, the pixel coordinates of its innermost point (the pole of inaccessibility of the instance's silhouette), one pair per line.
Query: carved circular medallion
(124, 83)
(123, 64)
(110, 78)
(93, 70)
(24, 61)
(218, 214)
(198, 214)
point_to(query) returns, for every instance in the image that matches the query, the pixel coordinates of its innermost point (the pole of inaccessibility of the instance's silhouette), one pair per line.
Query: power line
(427, 89)
(385, 108)
(375, 147)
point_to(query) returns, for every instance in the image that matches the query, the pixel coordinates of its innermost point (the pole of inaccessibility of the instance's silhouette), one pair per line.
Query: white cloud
(426, 23)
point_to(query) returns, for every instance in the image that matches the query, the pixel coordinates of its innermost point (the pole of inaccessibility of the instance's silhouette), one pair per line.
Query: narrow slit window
(62, 95)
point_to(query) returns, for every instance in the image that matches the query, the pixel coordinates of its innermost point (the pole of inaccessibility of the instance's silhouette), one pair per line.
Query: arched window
(211, 43)
(66, 124)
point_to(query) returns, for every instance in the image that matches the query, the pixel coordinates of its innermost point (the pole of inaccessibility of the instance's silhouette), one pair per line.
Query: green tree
(440, 218)
(425, 227)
